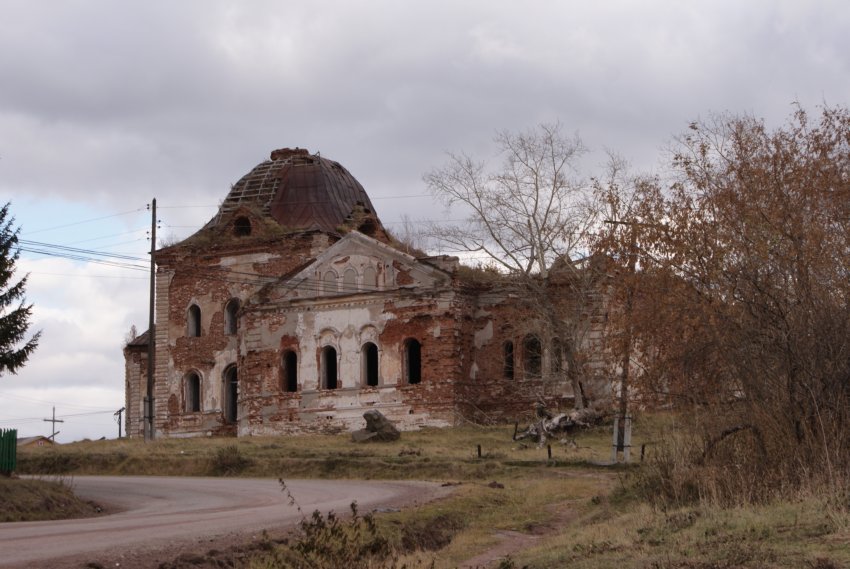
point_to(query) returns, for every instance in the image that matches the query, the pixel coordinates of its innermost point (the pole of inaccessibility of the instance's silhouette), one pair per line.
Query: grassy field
(429, 454)
(567, 511)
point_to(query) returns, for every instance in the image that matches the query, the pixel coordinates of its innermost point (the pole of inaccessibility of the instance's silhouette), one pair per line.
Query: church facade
(293, 310)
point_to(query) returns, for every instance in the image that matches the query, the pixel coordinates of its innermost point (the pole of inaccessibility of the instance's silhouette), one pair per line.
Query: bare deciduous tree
(528, 215)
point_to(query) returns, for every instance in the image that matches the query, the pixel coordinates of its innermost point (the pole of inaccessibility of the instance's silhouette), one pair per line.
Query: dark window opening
(231, 321)
(532, 356)
(370, 364)
(557, 356)
(508, 368)
(290, 372)
(193, 321)
(368, 227)
(413, 361)
(193, 393)
(329, 371)
(231, 395)
(242, 227)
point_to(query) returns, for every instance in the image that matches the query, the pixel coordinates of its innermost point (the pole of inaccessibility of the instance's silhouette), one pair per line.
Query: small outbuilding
(37, 441)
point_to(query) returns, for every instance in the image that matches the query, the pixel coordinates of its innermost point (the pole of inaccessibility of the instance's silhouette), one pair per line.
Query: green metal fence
(8, 450)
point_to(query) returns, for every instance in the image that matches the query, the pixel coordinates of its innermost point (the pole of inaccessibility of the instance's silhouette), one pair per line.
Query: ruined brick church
(294, 310)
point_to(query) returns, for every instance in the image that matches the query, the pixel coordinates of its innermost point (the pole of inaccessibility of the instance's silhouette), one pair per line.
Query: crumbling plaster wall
(347, 322)
(135, 388)
(489, 394)
(208, 281)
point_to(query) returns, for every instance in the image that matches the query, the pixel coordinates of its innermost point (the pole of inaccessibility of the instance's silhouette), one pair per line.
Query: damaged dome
(303, 191)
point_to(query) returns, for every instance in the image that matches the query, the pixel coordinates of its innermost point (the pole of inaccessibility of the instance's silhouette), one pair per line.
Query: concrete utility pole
(54, 420)
(623, 422)
(149, 401)
(118, 414)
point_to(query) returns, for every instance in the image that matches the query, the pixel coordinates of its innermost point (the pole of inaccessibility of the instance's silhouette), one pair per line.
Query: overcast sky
(105, 105)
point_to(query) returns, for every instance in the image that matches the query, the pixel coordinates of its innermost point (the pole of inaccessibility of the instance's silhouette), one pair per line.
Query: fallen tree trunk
(550, 426)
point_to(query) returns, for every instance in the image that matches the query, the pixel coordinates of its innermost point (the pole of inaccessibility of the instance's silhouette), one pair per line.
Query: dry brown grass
(429, 454)
(36, 500)
(576, 514)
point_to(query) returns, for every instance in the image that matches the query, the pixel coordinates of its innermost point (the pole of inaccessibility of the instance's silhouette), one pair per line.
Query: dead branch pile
(554, 426)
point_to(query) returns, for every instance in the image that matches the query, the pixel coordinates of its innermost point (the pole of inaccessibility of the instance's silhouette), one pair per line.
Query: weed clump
(228, 461)
(328, 542)
(431, 534)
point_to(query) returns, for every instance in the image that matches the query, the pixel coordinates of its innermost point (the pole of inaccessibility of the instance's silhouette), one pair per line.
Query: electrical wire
(84, 221)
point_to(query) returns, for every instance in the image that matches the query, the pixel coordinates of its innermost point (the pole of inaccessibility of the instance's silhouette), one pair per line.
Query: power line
(84, 276)
(77, 250)
(45, 402)
(107, 236)
(84, 221)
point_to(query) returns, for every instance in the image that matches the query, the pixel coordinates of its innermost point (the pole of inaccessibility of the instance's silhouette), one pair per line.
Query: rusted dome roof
(300, 191)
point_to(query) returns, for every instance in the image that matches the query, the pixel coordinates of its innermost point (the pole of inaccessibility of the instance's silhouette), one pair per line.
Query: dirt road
(159, 512)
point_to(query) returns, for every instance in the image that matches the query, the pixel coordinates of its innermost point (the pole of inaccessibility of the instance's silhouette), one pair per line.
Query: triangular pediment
(357, 265)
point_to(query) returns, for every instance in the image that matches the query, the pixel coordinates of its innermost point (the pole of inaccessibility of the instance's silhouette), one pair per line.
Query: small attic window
(242, 227)
(368, 227)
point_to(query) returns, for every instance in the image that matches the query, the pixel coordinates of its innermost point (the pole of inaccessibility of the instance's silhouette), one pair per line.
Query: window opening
(413, 361)
(508, 368)
(370, 364)
(193, 393)
(290, 371)
(242, 227)
(557, 356)
(193, 321)
(329, 371)
(532, 356)
(230, 316)
(231, 395)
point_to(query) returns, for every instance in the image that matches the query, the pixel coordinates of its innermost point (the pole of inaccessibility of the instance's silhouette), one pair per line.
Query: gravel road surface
(162, 512)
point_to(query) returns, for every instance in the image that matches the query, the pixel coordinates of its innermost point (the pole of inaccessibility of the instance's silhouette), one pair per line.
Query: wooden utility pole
(54, 420)
(118, 414)
(149, 400)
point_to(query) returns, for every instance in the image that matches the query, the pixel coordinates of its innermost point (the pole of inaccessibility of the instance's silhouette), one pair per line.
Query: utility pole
(623, 422)
(54, 420)
(149, 401)
(118, 414)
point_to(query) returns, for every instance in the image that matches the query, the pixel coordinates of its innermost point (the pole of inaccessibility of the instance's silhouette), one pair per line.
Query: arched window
(370, 278)
(369, 364)
(508, 360)
(329, 283)
(532, 356)
(349, 281)
(230, 319)
(193, 321)
(242, 227)
(329, 371)
(192, 393)
(557, 363)
(412, 361)
(231, 395)
(290, 371)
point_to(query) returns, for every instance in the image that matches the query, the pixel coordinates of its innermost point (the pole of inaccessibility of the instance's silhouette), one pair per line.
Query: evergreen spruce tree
(14, 315)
